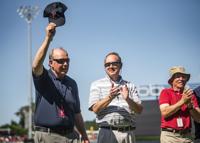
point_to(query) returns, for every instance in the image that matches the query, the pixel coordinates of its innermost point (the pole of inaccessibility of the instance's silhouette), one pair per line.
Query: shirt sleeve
(94, 95)
(40, 82)
(164, 97)
(195, 102)
(133, 93)
(77, 105)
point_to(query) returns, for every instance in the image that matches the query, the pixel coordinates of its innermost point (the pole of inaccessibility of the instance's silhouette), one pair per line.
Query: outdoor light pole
(28, 13)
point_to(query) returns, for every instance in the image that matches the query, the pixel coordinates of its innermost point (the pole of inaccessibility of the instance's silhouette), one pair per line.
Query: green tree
(89, 124)
(15, 128)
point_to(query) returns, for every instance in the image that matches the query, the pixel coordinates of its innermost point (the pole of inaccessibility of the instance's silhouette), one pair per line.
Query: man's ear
(121, 65)
(50, 63)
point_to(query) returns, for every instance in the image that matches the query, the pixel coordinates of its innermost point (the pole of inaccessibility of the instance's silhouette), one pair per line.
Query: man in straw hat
(177, 105)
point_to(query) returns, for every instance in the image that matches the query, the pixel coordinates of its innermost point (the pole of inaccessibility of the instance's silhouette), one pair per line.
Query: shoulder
(197, 91)
(99, 82)
(44, 74)
(165, 92)
(70, 80)
(128, 83)
(165, 96)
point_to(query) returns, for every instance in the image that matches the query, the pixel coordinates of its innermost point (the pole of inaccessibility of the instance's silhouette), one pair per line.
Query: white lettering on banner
(150, 91)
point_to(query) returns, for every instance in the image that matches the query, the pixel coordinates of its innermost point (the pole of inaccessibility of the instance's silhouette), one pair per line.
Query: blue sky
(150, 35)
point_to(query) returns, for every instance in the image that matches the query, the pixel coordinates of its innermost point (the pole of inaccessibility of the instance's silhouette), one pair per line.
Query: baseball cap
(55, 13)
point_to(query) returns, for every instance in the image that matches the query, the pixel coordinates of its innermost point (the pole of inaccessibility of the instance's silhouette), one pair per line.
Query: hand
(187, 96)
(124, 91)
(85, 141)
(190, 105)
(50, 30)
(114, 91)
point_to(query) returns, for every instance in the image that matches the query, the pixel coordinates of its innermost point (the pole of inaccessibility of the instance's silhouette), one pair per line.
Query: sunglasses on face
(62, 61)
(112, 63)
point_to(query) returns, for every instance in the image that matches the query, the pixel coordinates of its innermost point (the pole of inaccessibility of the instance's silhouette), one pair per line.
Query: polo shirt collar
(54, 76)
(171, 89)
(116, 82)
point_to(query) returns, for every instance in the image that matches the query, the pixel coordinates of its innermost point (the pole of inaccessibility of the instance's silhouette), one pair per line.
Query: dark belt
(122, 129)
(54, 130)
(176, 131)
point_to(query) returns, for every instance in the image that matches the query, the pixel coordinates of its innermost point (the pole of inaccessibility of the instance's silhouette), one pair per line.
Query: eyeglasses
(112, 63)
(62, 61)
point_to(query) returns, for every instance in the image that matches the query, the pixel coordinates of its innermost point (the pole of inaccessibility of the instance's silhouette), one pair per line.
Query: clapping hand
(124, 91)
(114, 91)
(187, 96)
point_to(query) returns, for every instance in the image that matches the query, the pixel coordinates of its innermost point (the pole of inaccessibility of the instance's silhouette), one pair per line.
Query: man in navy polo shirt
(197, 125)
(57, 100)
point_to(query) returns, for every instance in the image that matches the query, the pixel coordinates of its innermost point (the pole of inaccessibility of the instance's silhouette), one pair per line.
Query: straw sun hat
(177, 70)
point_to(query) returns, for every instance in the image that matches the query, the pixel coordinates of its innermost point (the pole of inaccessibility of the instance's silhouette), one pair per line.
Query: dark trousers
(197, 130)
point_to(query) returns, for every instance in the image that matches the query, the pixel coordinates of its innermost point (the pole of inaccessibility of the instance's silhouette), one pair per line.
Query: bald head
(57, 52)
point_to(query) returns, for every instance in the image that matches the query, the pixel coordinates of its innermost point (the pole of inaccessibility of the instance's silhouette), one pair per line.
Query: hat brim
(59, 21)
(172, 77)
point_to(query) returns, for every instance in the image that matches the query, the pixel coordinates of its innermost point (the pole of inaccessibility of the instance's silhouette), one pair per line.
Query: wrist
(127, 98)
(49, 38)
(190, 108)
(110, 97)
(182, 102)
(84, 138)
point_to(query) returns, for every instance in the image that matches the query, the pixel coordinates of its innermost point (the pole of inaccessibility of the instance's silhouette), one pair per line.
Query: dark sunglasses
(62, 61)
(112, 63)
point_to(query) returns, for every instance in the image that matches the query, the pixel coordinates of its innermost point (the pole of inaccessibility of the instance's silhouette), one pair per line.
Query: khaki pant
(43, 137)
(114, 136)
(170, 137)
